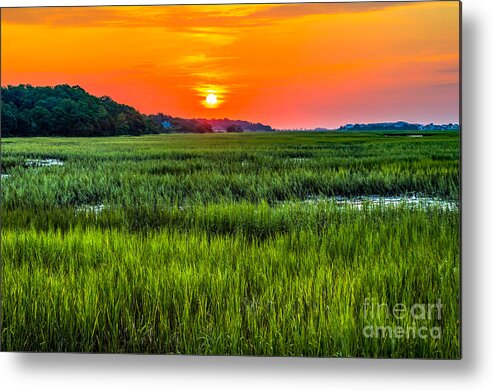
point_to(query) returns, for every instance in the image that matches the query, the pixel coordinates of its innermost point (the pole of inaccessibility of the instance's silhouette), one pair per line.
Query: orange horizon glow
(285, 65)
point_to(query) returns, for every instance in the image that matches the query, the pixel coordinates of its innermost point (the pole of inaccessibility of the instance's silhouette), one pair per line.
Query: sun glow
(211, 100)
(239, 55)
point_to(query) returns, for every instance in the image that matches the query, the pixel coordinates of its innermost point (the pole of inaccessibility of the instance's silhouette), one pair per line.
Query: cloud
(61, 16)
(174, 17)
(183, 17)
(283, 11)
(453, 70)
(454, 85)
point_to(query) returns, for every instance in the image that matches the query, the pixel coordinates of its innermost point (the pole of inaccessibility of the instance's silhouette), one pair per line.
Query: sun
(211, 100)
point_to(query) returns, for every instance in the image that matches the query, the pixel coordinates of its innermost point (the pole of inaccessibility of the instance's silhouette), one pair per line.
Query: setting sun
(211, 100)
(235, 60)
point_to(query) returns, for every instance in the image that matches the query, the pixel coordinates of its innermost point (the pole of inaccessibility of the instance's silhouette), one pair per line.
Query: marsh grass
(193, 253)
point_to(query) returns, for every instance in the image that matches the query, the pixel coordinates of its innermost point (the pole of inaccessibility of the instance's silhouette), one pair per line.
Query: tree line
(68, 111)
(64, 110)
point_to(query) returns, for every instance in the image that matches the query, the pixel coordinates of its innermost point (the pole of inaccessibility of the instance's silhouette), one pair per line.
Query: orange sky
(286, 65)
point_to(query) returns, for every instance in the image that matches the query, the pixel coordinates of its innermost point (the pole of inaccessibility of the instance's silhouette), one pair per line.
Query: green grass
(206, 246)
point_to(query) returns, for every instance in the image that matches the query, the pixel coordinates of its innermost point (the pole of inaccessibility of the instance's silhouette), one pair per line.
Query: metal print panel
(242, 179)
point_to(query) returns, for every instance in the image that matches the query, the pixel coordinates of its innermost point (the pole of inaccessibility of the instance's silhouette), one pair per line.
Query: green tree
(9, 119)
(234, 129)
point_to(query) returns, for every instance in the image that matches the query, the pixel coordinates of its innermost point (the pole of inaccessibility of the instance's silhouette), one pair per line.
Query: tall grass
(195, 252)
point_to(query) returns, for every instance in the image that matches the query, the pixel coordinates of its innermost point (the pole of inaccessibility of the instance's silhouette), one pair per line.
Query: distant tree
(202, 127)
(67, 111)
(24, 125)
(234, 129)
(9, 119)
(122, 126)
(41, 121)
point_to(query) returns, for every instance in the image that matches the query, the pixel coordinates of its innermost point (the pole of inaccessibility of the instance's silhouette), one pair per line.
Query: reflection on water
(96, 209)
(43, 162)
(359, 202)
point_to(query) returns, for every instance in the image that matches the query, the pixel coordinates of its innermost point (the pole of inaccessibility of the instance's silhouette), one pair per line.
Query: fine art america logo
(418, 320)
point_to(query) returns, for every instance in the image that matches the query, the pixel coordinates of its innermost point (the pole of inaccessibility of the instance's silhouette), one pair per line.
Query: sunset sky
(286, 65)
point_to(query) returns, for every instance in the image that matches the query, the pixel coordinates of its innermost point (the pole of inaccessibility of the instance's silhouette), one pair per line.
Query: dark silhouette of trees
(68, 111)
(182, 125)
(222, 124)
(234, 129)
(65, 110)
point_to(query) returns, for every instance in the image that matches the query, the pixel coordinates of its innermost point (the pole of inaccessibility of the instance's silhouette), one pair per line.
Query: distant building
(166, 124)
